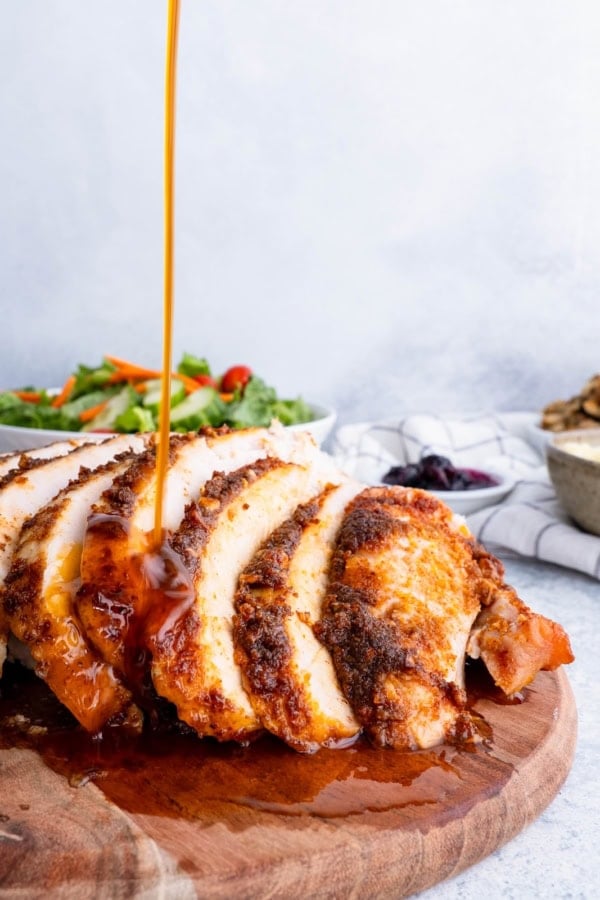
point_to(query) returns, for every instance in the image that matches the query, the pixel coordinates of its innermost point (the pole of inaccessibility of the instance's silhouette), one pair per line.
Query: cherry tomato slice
(205, 380)
(235, 378)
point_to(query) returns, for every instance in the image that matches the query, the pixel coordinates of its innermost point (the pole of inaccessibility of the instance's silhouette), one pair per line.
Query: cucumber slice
(201, 407)
(115, 407)
(151, 399)
(86, 401)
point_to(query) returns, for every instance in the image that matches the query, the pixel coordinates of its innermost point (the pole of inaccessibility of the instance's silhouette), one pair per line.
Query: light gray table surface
(558, 855)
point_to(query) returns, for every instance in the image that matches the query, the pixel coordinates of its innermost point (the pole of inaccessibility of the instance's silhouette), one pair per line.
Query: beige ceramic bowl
(576, 479)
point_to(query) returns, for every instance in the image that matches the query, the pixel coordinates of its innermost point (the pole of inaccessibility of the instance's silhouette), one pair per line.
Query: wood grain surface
(175, 817)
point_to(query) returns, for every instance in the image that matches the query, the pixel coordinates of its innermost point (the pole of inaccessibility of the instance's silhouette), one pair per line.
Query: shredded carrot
(28, 396)
(190, 384)
(126, 370)
(117, 377)
(133, 378)
(88, 414)
(226, 398)
(119, 363)
(65, 392)
(131, 374)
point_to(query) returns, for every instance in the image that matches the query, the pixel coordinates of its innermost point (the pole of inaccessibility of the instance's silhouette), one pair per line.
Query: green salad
(119, 396)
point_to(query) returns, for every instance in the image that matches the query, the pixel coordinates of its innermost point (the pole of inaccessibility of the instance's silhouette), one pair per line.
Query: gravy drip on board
(171, 774)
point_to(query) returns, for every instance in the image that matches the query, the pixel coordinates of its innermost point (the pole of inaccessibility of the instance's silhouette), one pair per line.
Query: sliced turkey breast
(193, 663)
(287, 672)
(120, 530)
(282, 596)
(26, 490)
(404, 592)
(39, 598)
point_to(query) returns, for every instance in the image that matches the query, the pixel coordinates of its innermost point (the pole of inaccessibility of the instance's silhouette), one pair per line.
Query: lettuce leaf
(14, 411)
(88, 379)
(136, 418)
(258, 405)
(193, 365)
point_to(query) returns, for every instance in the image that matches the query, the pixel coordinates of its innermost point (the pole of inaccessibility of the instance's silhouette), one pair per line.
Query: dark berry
(434, 460)
(436, 473)
(409, 475)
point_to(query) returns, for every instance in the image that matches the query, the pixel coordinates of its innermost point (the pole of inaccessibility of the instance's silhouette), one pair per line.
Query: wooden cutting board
(175, 817)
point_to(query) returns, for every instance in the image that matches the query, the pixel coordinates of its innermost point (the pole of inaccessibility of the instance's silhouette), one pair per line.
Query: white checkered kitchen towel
(529, 521)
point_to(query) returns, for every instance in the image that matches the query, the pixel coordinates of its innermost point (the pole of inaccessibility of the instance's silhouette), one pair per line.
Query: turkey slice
(286, 670)
(403, 595)
(40, 591)
(11, 461)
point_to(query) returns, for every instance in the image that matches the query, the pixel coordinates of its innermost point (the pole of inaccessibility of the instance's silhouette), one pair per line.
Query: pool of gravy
(166, 772)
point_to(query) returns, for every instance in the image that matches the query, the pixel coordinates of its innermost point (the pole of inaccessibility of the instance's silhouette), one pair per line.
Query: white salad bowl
(320, 426)
(14, 439)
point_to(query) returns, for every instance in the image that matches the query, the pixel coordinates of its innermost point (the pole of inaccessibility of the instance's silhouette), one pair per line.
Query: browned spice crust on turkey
(23, 465)
(260, 636)
(202, 515)
(200, 518)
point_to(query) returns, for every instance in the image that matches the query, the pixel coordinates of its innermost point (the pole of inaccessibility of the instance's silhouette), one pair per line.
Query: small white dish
(14, 439)
(467, 502)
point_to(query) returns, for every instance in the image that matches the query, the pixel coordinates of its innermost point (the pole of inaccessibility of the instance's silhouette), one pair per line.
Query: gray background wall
(384, 205)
